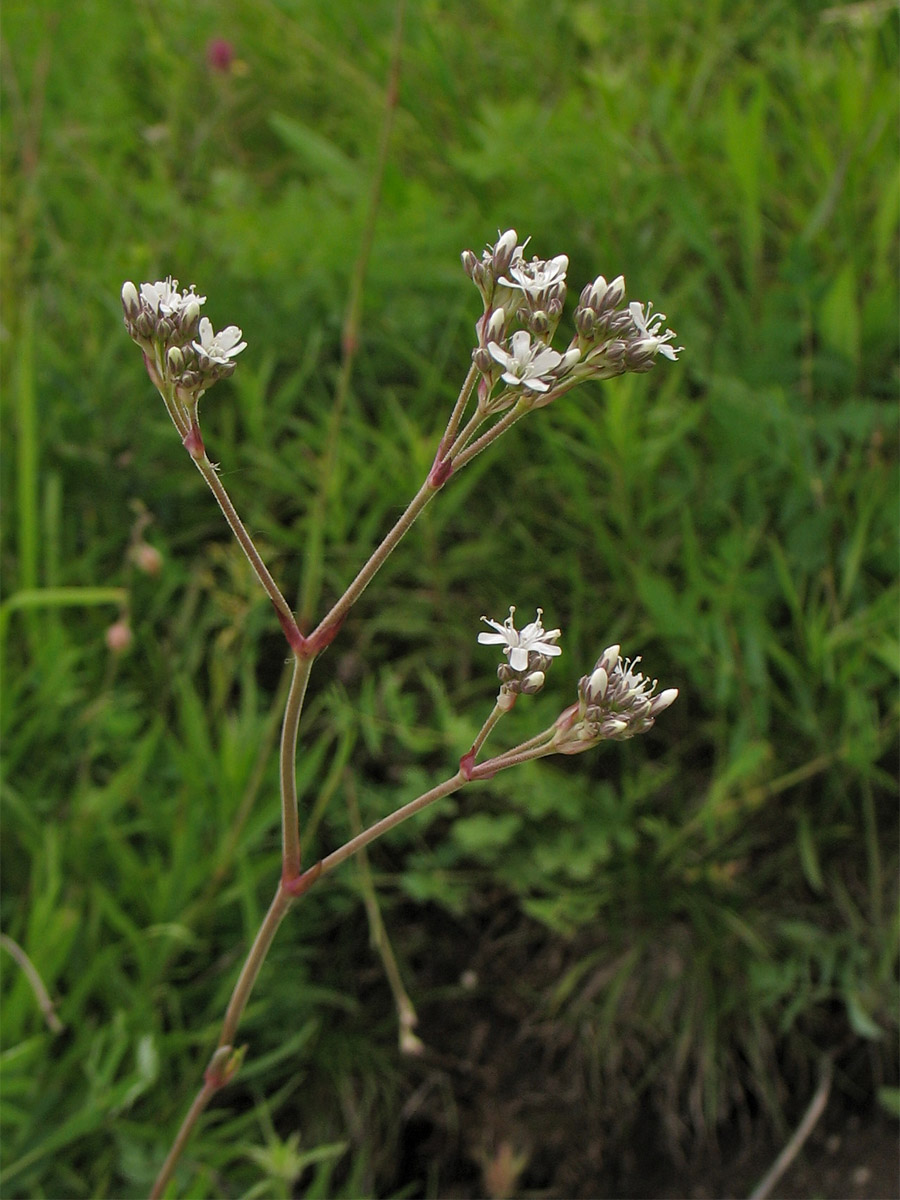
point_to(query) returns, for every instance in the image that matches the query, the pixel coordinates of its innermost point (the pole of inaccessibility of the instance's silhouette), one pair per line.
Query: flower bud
(469, 262)
(147, 558)
(504, 252)
(130, 300)
(174, 361)
(119, 636)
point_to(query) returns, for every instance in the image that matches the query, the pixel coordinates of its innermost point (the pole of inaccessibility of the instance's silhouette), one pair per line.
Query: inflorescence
(611, 337)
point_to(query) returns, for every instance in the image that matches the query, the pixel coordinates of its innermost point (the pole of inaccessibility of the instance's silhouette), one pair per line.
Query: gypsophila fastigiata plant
(514, 371)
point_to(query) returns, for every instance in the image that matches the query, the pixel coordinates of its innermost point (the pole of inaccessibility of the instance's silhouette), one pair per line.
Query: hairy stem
(469, 452)
(456, 416)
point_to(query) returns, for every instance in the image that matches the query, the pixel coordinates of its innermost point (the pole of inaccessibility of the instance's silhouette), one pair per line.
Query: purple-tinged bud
(189, 318)
(615, 293)
(539, 323)
(130, 300)
(494, 328)
(174, 362)
(585, 321)
(469, 262)
(219, 54)
(595, 688)
(482, 359)
(609, 658)
(504, 252)
(532, 683)
(144, 325)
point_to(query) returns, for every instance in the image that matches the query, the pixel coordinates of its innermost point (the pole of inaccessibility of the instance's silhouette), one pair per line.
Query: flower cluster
(614, 702)
(529, 651)
(520, 365)
(181, 348)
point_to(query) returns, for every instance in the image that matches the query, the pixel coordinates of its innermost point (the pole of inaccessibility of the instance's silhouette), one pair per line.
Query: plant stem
(290, 819)
(41, 995)
(468, 453)
(329, 478)
(496, 713)
(328, 864)
(216, 1077)
(207, 470)
(375, 562)
(458, 409)
(511, 758)
(201, 1100)
(265, 935)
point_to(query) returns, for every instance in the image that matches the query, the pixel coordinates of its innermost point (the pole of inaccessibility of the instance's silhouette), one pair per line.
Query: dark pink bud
(219, 54)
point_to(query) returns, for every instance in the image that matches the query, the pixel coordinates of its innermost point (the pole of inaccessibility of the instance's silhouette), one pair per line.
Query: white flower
(530, 365)
(533, 278)
(648, 328)
(518, 644)
(165, 300)
(218, 347)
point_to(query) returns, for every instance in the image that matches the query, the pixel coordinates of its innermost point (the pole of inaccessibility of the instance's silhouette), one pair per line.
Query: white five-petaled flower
(218, 347)
(536, 276)
(518, 644)
(648, 328)
(164, 298)
(527, 364)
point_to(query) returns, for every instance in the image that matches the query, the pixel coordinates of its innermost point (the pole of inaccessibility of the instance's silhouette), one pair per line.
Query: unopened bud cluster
(181, 349)
(520, 364)
(615, 702)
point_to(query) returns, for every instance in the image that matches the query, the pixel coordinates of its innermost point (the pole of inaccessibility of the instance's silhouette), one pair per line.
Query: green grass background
(721, 895)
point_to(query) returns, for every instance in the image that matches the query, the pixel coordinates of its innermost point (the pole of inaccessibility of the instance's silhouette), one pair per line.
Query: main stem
(222, 1065)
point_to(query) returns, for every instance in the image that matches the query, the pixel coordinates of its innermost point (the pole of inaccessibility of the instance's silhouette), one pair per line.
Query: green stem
(290, 827)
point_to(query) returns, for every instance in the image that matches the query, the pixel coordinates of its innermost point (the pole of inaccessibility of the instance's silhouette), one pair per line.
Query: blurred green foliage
(723, 893)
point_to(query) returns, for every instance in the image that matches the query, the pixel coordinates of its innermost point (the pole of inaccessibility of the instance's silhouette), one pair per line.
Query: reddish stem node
(299, 884)
(216, 1077)
(485, 770)
(291, 630)
(467, 764)
(193, 442)
(324, 637)
(440, 472)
